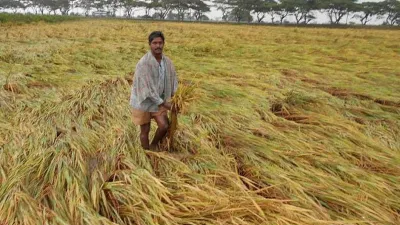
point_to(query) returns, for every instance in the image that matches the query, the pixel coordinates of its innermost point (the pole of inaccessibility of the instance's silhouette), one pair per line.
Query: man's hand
(175, 108)
(170, 106)
(167, 105)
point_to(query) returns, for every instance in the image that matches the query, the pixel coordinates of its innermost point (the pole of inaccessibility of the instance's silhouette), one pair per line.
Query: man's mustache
(158, 48)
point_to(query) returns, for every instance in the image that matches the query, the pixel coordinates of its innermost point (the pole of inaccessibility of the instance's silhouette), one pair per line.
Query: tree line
(303, 11)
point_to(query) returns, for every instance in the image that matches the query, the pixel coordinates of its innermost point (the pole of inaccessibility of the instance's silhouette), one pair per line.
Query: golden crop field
(280, 125)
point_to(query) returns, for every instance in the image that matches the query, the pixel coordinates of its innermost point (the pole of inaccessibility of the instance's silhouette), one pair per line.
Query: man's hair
(156, 34)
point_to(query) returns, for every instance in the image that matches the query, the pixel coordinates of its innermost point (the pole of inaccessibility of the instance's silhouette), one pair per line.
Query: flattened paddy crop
(279, 125)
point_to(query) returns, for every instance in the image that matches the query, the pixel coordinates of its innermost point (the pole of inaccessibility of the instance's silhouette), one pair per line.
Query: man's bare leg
(144, 135)
(162, 123)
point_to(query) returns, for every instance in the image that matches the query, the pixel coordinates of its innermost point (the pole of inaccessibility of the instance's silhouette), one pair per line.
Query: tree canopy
(301, 11)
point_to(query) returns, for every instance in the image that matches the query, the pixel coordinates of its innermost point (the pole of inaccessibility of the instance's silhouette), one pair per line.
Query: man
(154, 84)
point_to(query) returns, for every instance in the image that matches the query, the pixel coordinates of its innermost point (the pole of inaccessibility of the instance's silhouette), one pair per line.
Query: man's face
(157, 45)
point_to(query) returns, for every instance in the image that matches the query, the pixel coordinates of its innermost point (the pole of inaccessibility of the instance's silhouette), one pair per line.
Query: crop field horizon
(279, 125)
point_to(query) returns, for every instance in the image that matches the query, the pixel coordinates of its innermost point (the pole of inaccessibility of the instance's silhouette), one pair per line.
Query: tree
(87, 5)
(224, 7)
(181, 6)
(24, 4)
(63, 5)
(40, 5)
(112, 6)
(391, 8)
(130, 6)
(310, 7)
(302, 10)
(239, 14)
(368, 10)
(199, 8)
(162, 7)
(148, 5)
(337, 9)
(53, 6)
(241, 10)
(99, 4)
(11, 4)
(261, 8)
(283, 9)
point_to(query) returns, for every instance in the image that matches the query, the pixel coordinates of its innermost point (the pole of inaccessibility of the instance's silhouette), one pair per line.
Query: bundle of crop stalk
(180, 104)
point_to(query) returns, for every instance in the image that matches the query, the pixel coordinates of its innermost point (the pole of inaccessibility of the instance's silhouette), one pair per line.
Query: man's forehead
(157, 39)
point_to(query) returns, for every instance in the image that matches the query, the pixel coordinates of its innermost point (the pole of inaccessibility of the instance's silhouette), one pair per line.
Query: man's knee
(145, 127)
(144, 135)
(144, 130)
(163, 126)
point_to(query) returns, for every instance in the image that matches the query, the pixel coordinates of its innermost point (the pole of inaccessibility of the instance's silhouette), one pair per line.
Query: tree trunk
(65, 12)
(272, 17)
(298, 18)
(362, 20)
(224, 14)
(282, 17)
(330, 15)
(260, 17)
(181, 14)
(339, 15)
(198, 15)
